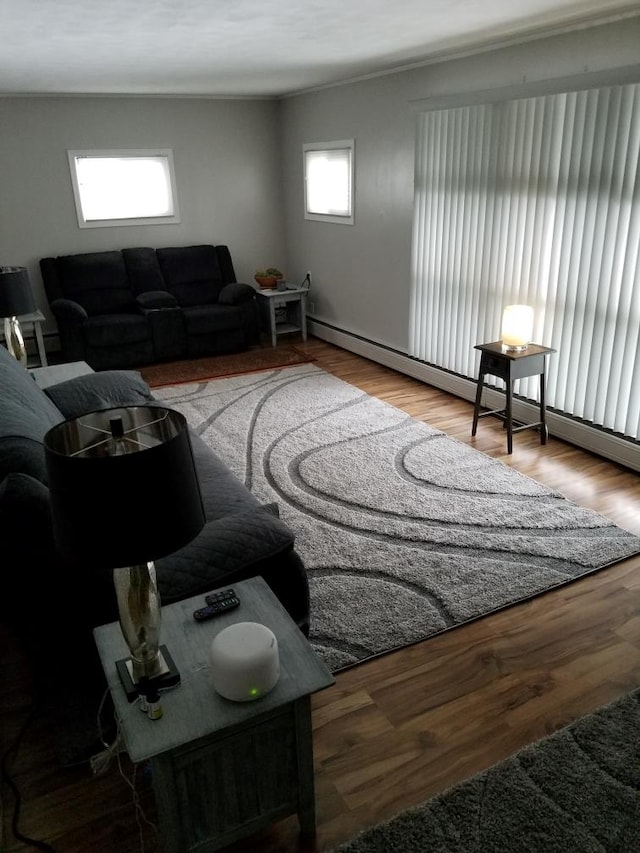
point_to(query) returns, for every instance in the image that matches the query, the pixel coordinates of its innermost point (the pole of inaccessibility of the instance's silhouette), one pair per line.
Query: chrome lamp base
(14, 340)
(140, 617)
(170, 676)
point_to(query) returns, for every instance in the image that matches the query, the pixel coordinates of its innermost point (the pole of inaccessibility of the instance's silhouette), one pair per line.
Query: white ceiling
(255, 47)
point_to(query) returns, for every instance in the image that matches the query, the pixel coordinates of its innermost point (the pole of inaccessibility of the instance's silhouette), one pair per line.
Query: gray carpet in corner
(576, 791)
(404, 531)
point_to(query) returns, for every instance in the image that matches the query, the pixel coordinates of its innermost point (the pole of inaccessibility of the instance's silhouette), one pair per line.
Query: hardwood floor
(395, 730)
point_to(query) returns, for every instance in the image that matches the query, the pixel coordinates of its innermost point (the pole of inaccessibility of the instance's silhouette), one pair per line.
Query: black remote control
(221, 595)
(217, 602)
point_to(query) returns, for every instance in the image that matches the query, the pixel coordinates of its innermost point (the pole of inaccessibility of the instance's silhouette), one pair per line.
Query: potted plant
(268, 279)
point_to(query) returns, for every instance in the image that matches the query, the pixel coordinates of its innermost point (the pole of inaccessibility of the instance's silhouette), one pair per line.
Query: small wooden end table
(509, 366)
(294, 299)
(222, 770)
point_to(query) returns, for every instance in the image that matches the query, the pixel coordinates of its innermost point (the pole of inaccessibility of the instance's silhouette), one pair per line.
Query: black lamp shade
(16, 297)
(124, 489)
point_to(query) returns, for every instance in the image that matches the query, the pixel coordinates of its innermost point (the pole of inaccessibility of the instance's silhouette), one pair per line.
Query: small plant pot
(267, 282)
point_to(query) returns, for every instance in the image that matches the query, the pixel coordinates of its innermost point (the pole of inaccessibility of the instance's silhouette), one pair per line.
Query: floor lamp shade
(124, 492)
(16, 299)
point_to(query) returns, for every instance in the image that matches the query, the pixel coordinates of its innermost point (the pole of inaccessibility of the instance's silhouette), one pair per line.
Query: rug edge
(303, 358)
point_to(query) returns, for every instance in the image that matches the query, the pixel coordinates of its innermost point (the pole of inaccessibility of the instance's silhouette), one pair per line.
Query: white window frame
(339, 219)
(164, 154)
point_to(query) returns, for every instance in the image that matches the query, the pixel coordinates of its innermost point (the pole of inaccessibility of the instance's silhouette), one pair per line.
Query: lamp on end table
(16, 298)
(124, 492)
(517, 327)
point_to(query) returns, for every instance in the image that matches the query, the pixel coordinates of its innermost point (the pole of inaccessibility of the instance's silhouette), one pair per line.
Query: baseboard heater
(621, 450)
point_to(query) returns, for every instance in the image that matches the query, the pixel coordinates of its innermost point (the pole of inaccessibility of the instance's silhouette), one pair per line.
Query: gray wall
(226, 157)
(239, 173)
(361, 273)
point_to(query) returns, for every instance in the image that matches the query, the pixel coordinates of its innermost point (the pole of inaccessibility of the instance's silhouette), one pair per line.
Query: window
(328, 181)
(535, 201)
(132, 187)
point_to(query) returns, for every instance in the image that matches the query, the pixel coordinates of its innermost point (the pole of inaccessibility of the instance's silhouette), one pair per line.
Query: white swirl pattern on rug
(404, 531)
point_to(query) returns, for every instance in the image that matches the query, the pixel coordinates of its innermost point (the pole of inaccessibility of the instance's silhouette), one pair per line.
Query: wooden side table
(292, 299)
(509, 366)
(222, 770)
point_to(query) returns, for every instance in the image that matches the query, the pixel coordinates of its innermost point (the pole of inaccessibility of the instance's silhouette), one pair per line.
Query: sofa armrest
(68, 312)
(236, 293)
(153, 300)
(230, 546)
(235, 547)
(24, 505)
(108, 389)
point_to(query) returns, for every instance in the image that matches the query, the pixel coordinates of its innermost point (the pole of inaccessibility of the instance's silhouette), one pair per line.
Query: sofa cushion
(26, 414)
(107, 329)
(98, 281)
(108, 389)
(23, 453)
(53, 612)
(143, 270)
(210, 319)
(191, 273)
(24, 504)
(30, 558)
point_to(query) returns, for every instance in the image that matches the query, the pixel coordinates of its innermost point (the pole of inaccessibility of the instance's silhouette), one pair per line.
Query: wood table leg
(303, 316)
(544, 432)
(42, 352)
(509, 415)
(306, 786)
(476, 408)
(272, 322)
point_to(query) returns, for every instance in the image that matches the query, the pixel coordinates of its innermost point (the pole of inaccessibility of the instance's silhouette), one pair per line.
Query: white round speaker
(245, 661)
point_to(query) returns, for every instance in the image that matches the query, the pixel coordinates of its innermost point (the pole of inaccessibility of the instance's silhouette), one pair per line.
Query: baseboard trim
(597, 441)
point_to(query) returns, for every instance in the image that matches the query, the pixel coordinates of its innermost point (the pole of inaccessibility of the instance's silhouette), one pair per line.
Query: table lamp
(517, 327)
(16, 298)
(124, 492)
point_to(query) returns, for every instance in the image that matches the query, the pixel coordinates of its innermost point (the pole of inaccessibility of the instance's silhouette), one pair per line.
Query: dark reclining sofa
(135, 307)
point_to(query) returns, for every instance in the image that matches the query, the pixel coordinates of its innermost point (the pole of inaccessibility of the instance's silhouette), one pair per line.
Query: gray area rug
(576, 791)
(404, 531)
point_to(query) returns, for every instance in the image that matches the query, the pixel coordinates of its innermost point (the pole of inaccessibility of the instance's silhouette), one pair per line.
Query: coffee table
(222, 770)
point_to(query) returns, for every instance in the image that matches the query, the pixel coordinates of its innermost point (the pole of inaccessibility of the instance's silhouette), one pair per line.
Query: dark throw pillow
(108, 389)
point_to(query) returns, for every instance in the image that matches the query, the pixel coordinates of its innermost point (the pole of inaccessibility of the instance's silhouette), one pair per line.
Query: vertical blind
(535, 201)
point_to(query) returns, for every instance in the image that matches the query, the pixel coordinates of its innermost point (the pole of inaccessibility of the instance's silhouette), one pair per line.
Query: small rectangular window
(329, 181)
(129, 187)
